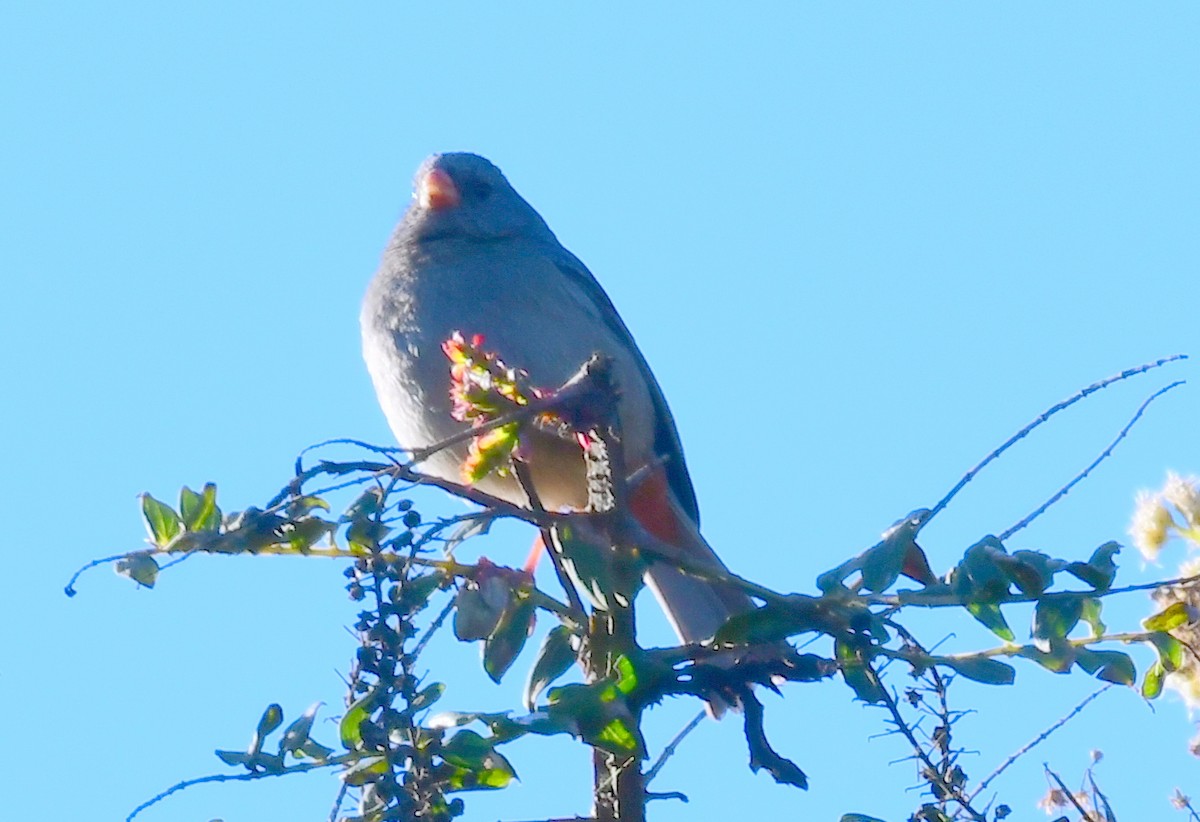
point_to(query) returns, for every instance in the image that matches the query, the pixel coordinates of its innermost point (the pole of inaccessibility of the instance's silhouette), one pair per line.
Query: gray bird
(470, 255)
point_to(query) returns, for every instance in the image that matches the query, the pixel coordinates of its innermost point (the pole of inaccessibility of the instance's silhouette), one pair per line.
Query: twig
(651, 795)
(382, 450)
(69, 589)
(931, 773)
(234, 777)
(1033, 743)
(337, 802)
(580, 383)
(1041, 418)
(921, 599)
(1109, 816)
(433, 626)
(1105, 454)
(1070, 796)
(669, 751)
(525, 478)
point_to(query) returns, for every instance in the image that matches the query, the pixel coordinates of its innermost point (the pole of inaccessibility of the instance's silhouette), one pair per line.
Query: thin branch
(1011, 650)
(525, 478)
(931, 772)
(921, 599)
(1043, 417)
(337, 802)
(1033, 743)
(669, 751)
(1109, 816)
(234, 777)
(383, 450)
(651, 795)
(433, 626)
(580, 384)
(69, 589)
(1105, 454)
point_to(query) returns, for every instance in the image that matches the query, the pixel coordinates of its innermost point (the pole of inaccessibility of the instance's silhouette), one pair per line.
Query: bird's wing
(667, 445)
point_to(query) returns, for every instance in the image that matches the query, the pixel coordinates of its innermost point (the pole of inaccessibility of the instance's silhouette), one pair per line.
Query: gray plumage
(484, 262)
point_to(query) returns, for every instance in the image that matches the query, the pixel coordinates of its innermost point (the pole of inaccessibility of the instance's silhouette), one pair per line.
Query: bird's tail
(695, 607)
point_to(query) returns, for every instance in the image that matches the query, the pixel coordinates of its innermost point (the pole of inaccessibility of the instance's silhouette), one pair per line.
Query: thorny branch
(929, 771)
(1078, 478)
(1043, 417)
(1037, 740)
(711, 670)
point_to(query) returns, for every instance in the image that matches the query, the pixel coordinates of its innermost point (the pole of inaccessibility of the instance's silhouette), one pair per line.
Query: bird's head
(464, 196)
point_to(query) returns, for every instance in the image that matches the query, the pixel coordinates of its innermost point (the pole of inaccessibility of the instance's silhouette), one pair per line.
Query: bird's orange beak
(437, 191)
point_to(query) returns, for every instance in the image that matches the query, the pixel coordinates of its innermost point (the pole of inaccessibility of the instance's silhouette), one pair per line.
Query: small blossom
(1151, 519)
(1186, 679)
(1054, 799)
(1184, 494)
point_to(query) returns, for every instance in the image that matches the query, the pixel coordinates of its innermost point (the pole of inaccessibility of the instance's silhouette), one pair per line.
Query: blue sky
(860, 245)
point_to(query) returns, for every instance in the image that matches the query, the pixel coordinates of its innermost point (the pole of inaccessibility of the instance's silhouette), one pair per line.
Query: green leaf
(883, 563)
(271, 719)
(1170, 651)
(1100, 570)
(495, 774)
(858, 676)
(590, 711)
(476, 613)
(626, 676)
(427, 696)
(1152, 685)
(618, 736)
(978, 576)
(858, 817)
(368, 505)
(1092, 607)
(161, 521)
(765, 625)
(1031, 571)
(297, 733)
(1173, 616)
(366, 534)
(1058, 659)
(199, 512)
(138, 566)
(1056, 615)
(992, 618)
(450, 719)
(367, 769)
(302, 534)
(491, 451)
(312, 749)
(466, 749)
(590, 567)
(413, 594)
(1108, 666)
(983, 669)
(235, 757)
(500, 649)
(499, 773)
(301, 507)
(350, 728)
(555, 657)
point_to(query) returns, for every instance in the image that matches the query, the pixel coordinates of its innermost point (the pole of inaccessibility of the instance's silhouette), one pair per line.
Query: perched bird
(470, 255)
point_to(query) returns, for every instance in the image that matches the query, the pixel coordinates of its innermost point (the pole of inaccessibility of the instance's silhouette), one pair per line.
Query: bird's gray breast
(529, 313)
